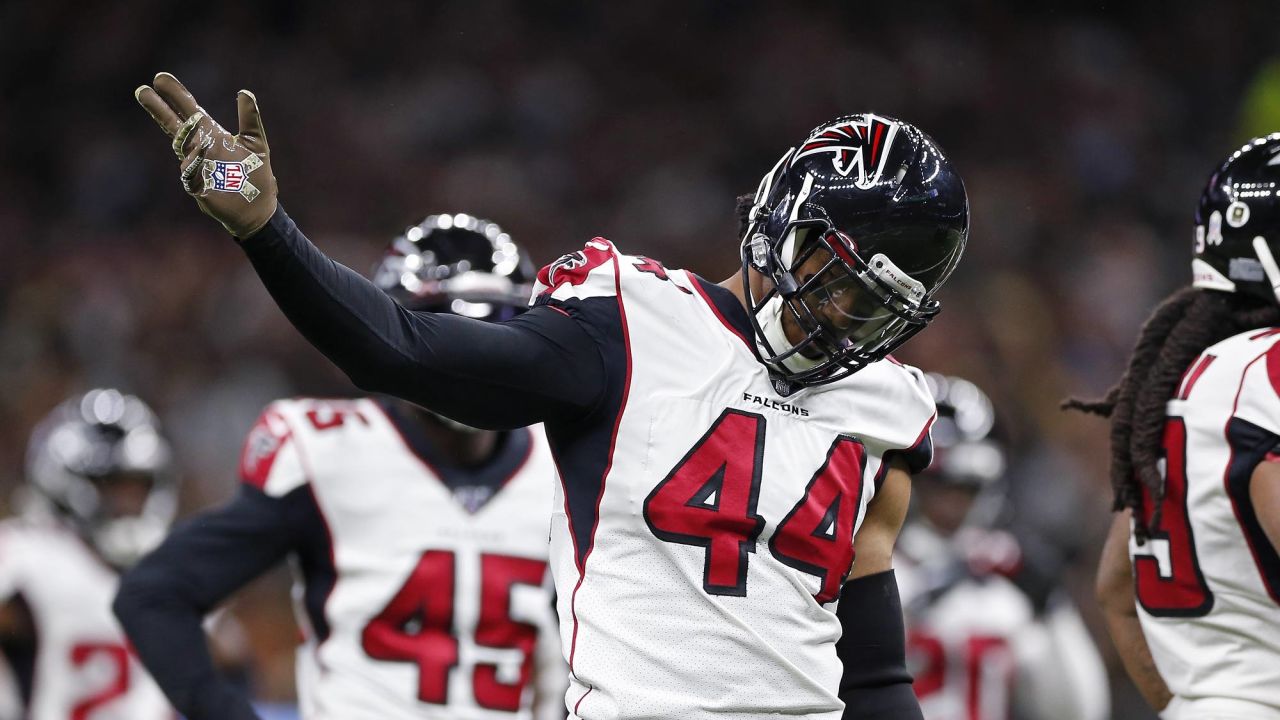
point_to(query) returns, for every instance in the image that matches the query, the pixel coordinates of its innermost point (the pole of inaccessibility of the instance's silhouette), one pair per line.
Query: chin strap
(1269, 265)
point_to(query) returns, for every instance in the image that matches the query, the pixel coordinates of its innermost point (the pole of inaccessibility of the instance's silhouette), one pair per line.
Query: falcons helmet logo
(861, 144)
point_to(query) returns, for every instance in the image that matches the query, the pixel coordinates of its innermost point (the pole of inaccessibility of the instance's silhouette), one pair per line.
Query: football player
(981, 647)
(721, 448)
(100, 491)
(420, 543)
(1190, 576)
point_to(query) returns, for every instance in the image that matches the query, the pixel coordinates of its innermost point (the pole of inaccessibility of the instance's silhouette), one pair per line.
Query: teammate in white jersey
(420, 544)
(722, 448)
(1190, 576)
(100, 491)
(987, 636)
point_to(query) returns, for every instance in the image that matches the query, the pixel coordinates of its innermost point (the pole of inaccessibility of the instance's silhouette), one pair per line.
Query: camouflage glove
(228, 175)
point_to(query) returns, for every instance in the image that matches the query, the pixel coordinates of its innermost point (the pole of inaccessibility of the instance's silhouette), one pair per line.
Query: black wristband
(875, 684)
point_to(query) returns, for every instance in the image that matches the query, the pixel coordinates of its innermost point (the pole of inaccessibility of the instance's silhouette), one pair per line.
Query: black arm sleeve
(163, 600)
(538, 367)
(876, 684)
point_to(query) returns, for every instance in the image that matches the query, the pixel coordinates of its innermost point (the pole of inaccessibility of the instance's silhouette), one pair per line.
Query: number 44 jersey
(706, 517)
(1207, 582)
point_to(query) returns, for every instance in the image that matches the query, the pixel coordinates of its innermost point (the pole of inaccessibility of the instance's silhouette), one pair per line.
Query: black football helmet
(1238, 224)
(968, 453)
(878, 202)
(100, 463)
(965, 451)
(459, 264)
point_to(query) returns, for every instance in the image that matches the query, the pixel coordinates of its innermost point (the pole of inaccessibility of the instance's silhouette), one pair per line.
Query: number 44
(709, 500)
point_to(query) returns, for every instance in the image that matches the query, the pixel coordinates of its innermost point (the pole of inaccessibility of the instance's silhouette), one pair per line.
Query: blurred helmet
(1238, 223)
(965, 453)
(100, 462)
(879, 201)
(459, 264)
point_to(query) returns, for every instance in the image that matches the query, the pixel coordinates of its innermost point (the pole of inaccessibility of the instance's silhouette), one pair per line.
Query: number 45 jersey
(424, 588)
(705, 521)
(1207, 582)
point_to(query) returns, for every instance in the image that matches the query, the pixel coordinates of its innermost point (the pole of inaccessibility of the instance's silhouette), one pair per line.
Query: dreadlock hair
(743, 212)
(1177, 332)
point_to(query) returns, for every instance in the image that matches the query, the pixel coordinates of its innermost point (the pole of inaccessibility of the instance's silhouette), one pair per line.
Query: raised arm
(540, 367)
(537, 367)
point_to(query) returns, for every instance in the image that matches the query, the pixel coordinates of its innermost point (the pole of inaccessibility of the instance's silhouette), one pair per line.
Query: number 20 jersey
(705, 521)
(435, 604)
(1208, 580)
(83, 666)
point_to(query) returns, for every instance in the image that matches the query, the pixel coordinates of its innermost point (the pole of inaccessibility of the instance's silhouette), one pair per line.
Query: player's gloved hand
(228, 175)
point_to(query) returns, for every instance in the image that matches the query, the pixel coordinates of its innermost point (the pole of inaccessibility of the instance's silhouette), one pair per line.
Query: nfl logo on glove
(227, 176)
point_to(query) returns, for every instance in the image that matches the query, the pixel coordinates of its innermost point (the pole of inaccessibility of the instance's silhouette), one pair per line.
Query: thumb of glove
(252, 135)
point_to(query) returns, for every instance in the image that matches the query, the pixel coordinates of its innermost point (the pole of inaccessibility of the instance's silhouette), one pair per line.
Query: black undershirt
(538, 367)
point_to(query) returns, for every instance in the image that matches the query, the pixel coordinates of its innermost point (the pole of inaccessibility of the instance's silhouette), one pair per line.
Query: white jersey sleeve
(272, 459)
(908, 415)
(586, 273)
(1258, 398)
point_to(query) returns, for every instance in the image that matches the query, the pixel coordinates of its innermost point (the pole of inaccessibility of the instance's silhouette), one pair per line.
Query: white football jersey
(978, 651)
(705, 524)
(83, 667)
(1207, 583)
(436, 602)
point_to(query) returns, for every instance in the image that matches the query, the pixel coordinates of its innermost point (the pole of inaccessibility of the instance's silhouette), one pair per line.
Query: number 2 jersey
(1207, 582)
(425, 593)
(978, 650)
(83, 668)
(705, 521)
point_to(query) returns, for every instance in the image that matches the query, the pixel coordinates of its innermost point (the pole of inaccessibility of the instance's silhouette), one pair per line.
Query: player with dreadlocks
(1195, 465)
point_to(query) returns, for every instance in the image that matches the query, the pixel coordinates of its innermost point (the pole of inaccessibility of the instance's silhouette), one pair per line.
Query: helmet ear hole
(761, 258)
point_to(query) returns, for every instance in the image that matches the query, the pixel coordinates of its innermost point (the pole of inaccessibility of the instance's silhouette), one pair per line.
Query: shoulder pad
(270, 459)
(589, 272)
(1258, 399)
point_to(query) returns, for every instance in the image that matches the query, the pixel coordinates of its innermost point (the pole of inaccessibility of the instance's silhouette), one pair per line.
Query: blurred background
(1084, 136)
